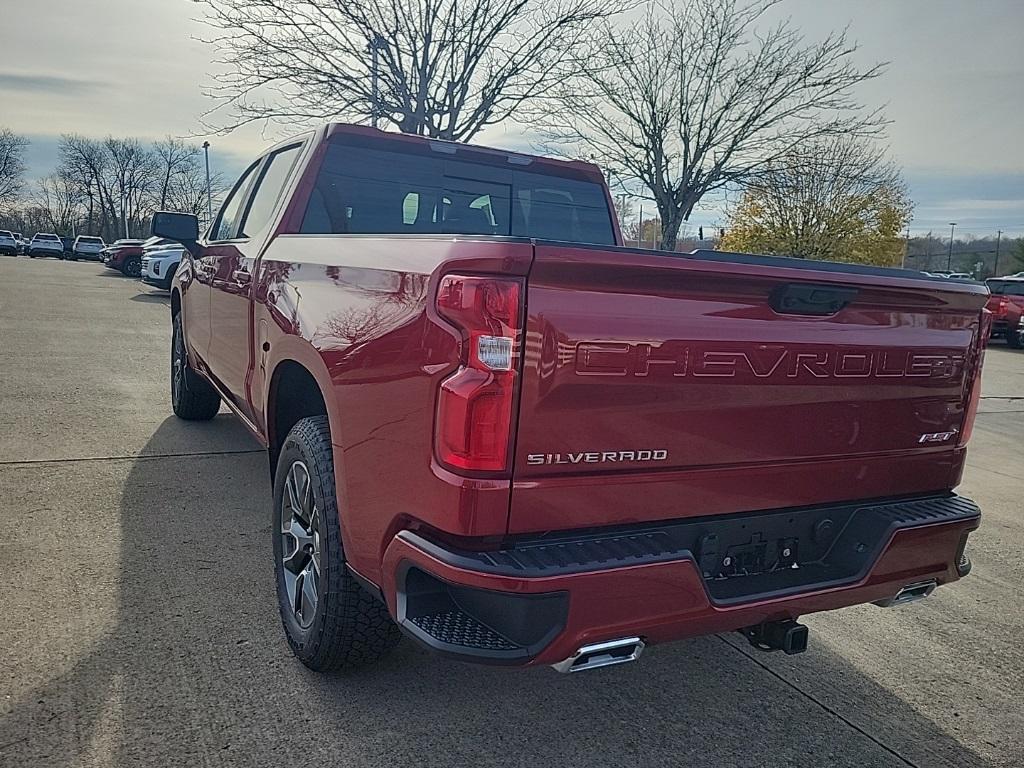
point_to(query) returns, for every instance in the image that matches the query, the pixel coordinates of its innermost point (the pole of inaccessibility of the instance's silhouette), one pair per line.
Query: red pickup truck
(1007, 307)
(496, 429)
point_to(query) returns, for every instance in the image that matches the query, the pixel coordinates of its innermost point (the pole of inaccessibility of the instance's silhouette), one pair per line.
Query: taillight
(974, 366)
(474, 407)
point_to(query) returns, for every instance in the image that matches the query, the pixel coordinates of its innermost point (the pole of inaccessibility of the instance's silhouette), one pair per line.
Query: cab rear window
(385, 191)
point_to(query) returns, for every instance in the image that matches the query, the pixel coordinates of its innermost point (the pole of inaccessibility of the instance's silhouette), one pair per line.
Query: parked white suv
(159, 265)
(8, 243)
(87, 247)
(45, 244)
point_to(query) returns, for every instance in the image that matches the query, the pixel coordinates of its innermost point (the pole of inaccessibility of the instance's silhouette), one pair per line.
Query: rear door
(664, 386)
(197, 289)
(232, 263)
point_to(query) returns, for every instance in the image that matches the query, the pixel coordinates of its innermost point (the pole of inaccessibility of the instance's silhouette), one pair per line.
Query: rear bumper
(539, 600)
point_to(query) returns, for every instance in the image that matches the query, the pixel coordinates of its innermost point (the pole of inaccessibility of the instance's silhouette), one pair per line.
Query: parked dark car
(69, 248)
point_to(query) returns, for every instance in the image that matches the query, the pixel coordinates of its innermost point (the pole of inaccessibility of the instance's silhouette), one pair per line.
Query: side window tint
(228, 219)
(272, 181)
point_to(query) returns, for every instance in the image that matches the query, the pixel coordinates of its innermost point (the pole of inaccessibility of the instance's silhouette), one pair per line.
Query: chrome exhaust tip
(912, 592)
(604, 654)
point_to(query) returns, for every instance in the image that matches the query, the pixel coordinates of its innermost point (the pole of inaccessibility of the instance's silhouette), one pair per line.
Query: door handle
(241, 276)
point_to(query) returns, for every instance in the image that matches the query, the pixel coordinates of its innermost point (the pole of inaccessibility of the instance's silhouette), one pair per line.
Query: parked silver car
(45, 244)
(87, 247)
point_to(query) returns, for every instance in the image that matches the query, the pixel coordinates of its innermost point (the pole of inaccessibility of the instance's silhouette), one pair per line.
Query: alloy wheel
(177, 364)
(300, 544)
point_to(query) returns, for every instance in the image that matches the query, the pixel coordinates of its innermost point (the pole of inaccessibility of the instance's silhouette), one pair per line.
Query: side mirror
(183, 227)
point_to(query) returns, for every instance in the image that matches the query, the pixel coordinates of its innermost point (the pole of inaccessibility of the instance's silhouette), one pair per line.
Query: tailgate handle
(802, 299)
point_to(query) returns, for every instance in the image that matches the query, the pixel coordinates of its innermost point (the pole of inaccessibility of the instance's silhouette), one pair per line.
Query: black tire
(346, 626)
(1013, 340)
(170, 277)
(132, 267)
(192, 397)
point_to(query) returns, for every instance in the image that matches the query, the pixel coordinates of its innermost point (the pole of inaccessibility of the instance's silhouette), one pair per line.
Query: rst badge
(936, 437)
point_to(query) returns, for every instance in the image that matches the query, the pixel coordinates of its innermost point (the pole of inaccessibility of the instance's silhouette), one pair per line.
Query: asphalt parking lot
(138, 624)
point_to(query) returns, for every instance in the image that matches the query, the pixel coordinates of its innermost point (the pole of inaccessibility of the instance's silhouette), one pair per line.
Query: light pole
(995, 268)
(949, 258)
(209, 195)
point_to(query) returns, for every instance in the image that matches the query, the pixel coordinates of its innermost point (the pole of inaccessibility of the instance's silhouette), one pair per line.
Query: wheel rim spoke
(308, 594)
(300, 543)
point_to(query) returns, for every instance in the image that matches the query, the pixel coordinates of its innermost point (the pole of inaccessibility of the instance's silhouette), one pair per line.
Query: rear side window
(376, 191)
(268, 191)
(229, 218)
(5, 233)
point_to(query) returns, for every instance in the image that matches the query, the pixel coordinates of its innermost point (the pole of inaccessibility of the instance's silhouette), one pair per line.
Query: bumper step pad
(460, 629)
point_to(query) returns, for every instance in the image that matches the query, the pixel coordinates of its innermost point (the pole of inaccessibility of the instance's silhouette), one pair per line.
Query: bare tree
(839, 199)
(87, 161)
(697, 97)
(59, 197)
(175, 157)
(135, 171)
(447, 68)
(186, 192)
(624, 210)
(12, 166)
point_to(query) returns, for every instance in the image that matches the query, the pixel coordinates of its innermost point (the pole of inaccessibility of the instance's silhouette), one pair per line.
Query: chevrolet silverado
(492, 427)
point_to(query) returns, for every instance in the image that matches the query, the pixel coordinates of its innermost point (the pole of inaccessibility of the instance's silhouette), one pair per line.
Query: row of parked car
(154, 260)
(49, 244)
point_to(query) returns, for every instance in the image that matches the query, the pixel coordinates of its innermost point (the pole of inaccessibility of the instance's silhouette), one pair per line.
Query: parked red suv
(125, 256)
(496, 429)
(1007, 306)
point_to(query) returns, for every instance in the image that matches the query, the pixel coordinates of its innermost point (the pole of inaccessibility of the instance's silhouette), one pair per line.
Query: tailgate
(659, 387)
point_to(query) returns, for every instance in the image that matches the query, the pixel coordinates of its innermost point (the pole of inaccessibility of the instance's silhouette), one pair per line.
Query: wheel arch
(298, 386)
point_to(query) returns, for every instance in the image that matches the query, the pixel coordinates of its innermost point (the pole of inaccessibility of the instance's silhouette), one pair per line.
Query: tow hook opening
(788, 636)
(912, 592)
(605, 654)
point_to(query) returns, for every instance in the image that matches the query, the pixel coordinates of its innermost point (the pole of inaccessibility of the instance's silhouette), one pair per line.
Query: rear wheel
(1013, 340)
(330, 621)
(192, 397)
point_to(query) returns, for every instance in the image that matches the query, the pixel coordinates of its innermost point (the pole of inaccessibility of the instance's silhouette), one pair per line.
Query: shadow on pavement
(195, 671)
(157, 297)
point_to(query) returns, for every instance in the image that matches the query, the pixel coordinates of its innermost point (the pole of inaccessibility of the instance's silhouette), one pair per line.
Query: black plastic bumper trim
(855, 535)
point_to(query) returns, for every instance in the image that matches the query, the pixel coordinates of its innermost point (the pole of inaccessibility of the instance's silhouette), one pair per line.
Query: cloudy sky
(954, 90)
